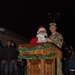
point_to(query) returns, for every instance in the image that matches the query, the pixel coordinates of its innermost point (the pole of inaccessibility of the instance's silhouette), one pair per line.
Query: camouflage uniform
(58, 40)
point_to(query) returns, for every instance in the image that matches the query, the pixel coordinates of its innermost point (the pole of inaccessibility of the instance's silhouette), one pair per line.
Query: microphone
(46, 36)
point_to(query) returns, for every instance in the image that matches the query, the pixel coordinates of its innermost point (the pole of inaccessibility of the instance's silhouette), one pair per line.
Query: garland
(22, 49)
(38, 56)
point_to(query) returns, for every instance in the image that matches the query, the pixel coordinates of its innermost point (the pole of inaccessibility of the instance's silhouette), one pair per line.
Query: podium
(41, 58)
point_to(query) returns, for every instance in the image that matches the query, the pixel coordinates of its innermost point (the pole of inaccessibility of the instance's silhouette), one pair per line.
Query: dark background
(24, 17)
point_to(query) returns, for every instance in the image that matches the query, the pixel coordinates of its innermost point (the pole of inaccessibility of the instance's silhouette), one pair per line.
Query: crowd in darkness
(10, 64)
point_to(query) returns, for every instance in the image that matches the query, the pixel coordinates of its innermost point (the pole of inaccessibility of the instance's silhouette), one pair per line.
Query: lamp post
(54, 16)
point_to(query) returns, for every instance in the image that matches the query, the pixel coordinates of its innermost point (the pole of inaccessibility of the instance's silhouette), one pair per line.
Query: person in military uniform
(57, 39)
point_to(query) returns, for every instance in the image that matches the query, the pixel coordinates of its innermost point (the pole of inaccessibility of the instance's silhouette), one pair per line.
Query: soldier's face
(53, 28)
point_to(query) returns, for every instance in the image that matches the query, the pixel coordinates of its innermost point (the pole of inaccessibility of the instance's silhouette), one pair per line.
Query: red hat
(40, 28)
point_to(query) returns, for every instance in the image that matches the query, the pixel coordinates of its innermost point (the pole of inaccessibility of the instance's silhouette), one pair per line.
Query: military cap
(52, 24)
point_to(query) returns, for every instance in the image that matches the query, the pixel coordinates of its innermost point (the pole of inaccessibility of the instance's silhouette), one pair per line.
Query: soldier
(57, 39)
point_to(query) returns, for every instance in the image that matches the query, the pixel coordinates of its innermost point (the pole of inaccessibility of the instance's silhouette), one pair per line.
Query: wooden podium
(41, 66)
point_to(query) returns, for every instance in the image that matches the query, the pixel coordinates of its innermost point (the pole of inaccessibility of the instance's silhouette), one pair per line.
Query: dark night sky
(25, 17)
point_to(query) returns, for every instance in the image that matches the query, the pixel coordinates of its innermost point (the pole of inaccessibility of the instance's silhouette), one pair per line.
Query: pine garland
(38, 56)
(24, 49)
